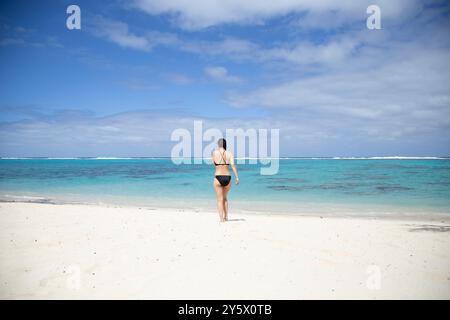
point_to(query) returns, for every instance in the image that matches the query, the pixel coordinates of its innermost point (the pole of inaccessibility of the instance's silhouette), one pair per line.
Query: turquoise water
(399, 183)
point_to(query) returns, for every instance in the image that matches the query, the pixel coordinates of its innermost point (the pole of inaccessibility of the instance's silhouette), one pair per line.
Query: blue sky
(137, 70)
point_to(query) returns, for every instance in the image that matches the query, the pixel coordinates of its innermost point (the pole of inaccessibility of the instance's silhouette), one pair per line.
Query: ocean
(302, 185)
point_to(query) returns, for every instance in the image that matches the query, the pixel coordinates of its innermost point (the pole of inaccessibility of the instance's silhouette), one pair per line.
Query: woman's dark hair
(222, 143)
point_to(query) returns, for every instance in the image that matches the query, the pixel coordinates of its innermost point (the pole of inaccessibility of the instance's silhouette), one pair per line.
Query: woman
(221, 159)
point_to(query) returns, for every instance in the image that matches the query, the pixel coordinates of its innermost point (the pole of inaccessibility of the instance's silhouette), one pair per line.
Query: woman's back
(221, 159)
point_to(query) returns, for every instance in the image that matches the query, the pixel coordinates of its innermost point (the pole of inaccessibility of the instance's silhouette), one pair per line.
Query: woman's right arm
(233, 166)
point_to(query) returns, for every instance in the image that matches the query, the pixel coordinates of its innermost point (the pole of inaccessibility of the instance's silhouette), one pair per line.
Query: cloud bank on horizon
(138, 70)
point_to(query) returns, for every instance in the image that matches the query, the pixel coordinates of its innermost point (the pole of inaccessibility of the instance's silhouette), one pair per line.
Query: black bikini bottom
(224, 180)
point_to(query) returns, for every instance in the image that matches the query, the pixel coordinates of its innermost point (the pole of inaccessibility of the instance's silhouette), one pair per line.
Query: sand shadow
(235, 220)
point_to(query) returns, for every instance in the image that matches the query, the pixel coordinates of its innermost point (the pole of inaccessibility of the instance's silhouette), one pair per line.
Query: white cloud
(129, 134)
(407, 95)
(300, 53)
(231, 47)
(119, 33)
(220, 74)
(198, 14)
(305, 53)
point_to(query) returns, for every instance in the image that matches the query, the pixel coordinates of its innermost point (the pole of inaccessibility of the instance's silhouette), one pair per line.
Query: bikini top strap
(224, 159)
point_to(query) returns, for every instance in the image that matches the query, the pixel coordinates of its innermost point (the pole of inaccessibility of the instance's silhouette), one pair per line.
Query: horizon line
(237, 158)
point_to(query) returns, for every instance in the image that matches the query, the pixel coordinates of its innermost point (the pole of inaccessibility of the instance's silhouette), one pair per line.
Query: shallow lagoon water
(411, 184)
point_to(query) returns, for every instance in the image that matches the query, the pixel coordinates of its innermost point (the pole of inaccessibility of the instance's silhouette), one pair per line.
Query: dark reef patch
(390, 188)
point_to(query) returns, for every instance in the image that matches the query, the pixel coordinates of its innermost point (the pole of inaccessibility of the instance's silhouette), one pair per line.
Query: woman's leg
(225, 200)
(219, 195)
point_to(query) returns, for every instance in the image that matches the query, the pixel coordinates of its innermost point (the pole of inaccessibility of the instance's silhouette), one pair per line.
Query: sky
(139, 69)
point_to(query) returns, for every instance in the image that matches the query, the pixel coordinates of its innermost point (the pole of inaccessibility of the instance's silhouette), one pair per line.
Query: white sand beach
(68, 251)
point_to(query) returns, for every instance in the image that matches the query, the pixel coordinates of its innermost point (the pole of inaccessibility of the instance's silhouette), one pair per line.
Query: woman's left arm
(233, 166)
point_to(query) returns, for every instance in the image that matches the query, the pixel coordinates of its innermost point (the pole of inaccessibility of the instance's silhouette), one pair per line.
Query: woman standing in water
(221, 159)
